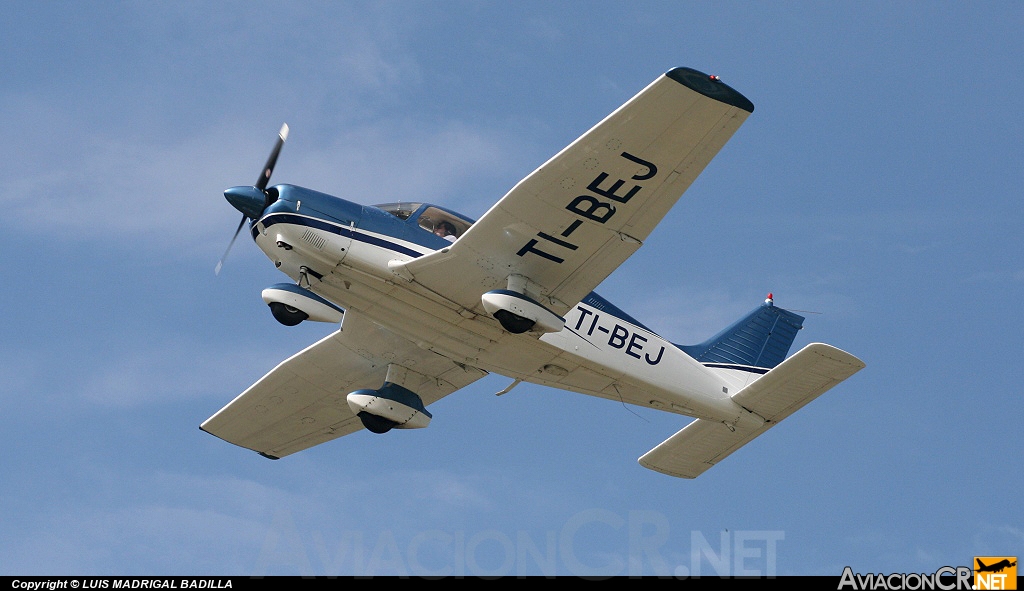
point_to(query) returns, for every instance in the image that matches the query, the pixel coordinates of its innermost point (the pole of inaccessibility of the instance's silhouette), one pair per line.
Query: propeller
(220, 263)
(268, 168)
(251, 201)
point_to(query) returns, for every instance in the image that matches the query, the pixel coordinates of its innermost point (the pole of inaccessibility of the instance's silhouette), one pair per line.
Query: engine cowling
(390, 407)
(292, 304)
(518, 313)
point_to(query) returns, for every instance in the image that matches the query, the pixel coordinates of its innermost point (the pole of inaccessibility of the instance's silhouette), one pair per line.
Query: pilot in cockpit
(445, 230)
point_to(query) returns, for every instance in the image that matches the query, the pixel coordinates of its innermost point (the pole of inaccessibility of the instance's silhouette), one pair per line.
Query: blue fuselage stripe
(344, 231)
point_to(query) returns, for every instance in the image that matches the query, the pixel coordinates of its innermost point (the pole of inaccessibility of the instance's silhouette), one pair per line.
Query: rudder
(762, 338)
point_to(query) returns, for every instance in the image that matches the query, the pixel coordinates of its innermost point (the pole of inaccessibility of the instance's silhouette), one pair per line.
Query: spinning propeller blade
(268, 168)
(232, 195)
(220, 263)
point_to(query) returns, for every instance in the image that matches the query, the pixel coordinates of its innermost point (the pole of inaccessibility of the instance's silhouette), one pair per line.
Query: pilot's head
(444, 229)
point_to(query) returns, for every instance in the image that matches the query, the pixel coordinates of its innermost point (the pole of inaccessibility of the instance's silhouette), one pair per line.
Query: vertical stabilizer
(762, 338)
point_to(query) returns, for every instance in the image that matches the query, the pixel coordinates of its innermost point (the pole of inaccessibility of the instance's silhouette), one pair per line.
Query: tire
(287, 315)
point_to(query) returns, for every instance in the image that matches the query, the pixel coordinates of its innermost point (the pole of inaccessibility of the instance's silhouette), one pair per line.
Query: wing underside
(302, 402)
(574, 220)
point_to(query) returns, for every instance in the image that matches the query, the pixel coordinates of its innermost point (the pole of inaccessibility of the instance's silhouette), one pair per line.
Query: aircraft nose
(248, 200)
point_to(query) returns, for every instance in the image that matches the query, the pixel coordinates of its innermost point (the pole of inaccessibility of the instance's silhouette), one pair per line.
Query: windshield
(400, 210)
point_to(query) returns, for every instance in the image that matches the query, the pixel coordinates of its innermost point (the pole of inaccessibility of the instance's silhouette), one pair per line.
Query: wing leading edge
(574, 220)
(302, 402)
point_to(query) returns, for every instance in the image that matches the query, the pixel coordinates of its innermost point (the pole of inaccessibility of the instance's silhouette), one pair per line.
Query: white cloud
(144, 160)
(167, 195)
(185, 525)
(171, 371)
(432, 163)
(179, 524)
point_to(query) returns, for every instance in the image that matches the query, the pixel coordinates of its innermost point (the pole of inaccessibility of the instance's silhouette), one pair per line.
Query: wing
(302, 402)
(571, 222)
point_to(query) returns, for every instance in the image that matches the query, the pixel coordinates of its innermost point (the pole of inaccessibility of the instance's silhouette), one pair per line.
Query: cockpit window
(446, 224)
(400, 210)
(442, 223)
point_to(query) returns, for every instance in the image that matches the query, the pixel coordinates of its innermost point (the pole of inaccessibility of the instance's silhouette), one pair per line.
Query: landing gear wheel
(287, 315)
(375, 424)
(513, 323)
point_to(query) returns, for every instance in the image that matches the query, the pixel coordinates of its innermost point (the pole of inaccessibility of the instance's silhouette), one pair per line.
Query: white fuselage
(596, 353)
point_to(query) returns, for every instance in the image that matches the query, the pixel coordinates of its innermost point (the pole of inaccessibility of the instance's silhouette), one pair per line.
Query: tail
(761, 339)
(750, 356)
(811, 372)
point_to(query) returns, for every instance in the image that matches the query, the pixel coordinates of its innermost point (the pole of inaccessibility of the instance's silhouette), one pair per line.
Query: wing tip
(687, 475)
(711, 87)
(837, 354)
(204, 430)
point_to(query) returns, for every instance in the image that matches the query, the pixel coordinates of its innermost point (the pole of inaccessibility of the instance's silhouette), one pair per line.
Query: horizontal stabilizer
(809, 373)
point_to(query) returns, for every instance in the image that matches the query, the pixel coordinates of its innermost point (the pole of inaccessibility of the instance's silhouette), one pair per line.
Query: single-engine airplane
(429, 301)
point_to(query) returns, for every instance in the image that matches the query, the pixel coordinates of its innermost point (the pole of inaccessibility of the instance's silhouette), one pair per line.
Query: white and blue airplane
(429, 301)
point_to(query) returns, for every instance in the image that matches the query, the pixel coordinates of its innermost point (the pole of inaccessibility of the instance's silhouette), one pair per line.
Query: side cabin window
(442, 223)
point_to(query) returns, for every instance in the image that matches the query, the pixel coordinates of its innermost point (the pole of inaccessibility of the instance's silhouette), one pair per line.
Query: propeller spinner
(251, 201)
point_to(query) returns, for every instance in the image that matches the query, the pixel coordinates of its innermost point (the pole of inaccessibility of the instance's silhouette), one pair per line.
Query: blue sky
(877, 184)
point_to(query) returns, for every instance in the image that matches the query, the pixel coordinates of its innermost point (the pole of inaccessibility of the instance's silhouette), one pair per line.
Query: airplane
(996, 567)
(422, 314)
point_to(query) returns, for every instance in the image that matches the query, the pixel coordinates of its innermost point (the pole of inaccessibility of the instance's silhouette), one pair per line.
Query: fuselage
(341, 251)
